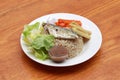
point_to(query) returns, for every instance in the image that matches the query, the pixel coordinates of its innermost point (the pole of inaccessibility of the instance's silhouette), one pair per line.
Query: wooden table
(15, 65)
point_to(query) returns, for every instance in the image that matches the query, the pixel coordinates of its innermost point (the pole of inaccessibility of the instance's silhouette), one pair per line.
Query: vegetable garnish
(66, 22)
(30, 32)
(38, 42)
(42, 44)
(80, 31)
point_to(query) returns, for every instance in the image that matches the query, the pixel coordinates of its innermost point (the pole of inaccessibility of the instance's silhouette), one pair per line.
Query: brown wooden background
(15, 65)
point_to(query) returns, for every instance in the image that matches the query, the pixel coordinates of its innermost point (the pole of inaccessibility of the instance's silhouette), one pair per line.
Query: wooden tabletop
(15, 65)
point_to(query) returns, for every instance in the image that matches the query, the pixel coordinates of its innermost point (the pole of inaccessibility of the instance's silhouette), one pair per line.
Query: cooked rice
(73, 46)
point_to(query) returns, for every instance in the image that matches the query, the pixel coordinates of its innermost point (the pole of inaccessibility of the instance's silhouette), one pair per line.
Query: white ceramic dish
(90, 48)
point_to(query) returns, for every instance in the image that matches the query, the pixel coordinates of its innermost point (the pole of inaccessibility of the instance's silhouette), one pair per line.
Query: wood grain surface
(15, 65)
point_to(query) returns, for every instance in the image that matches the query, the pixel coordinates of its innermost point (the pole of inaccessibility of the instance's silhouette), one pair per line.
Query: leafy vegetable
(46, 41)
(38, 42)
(41, 54)
(42, 44)
(30, 32)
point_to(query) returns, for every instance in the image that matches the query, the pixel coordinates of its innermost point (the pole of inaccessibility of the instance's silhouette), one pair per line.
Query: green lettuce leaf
(30, 32)
(46, 41)
(41, 54)
(38, 42)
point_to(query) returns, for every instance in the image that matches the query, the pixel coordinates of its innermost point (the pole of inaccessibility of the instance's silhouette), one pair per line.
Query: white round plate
(89, 50)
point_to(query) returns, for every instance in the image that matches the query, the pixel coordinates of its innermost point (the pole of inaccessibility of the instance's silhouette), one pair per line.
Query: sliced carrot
(60, 24)
(57, 23)
(65, 22)
(60, 20)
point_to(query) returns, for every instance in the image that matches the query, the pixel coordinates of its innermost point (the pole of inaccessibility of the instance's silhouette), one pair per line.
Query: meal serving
(56, 40)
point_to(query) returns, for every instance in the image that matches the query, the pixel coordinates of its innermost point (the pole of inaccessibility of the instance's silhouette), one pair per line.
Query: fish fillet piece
(59, 32)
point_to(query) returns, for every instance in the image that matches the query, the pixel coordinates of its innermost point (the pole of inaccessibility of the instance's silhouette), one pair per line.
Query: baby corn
(79, 30)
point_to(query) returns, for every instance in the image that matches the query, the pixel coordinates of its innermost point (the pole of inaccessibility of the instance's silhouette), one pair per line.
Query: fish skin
(59, 32)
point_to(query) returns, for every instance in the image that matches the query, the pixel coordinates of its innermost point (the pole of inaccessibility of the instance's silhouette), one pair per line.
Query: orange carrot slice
(65, 22)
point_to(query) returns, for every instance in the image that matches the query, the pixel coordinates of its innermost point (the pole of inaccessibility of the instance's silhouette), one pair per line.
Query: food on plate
(79, 30)
(55, 42)
(66, 22)
(41, 44)
(77, 26)
(37, 42)
(58, 53)
(74, 46)
(59, 32)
